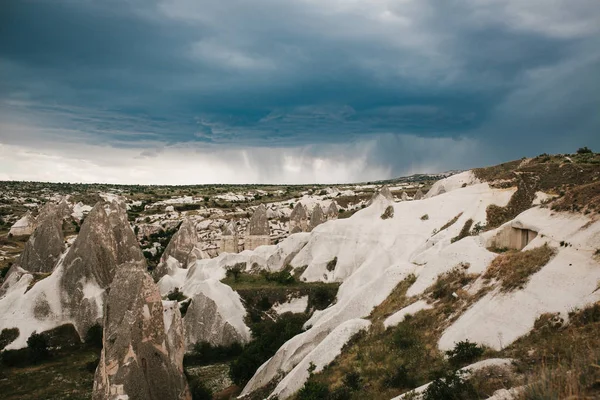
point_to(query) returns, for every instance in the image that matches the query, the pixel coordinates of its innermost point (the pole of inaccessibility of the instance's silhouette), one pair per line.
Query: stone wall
(513, 238)
(229, 244)
(253, 241)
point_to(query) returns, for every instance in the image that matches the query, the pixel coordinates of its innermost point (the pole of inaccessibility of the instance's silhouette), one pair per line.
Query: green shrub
(313, 391)
(38, 347)
(235, 271)
(283, 277)
(352, 380)
(405, 335)
(464, 353)
(8, 336)
(93, 337)
(15, 358)
(268, 337)
(320, 297)
(198, 389)
(264, 303)
(206, 353)
(400, 377)
(453, 386)
(176, 295)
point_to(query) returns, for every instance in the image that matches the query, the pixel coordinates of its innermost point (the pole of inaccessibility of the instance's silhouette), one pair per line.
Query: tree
(584, 150)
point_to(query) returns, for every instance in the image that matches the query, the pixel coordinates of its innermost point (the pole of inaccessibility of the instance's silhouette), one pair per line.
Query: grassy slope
(64, 376)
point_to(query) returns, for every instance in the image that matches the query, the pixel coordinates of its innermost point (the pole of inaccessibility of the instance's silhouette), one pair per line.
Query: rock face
(45, 244)
(317, 217)
(332, 211)
(298, 219)
(384, 192)
(230, 239)
(61, 209)
(258, 229)
(23, 227)
(181, 247)
(139, 359)
(182, 243)
(418, 195)
(404, 196)
(105, 242)
(204, 322)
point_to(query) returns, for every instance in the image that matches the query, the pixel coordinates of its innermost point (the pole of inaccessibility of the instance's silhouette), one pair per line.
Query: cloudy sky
(235, 91)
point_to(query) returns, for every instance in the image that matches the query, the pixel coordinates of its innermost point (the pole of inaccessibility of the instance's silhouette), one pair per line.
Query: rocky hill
(487, 286)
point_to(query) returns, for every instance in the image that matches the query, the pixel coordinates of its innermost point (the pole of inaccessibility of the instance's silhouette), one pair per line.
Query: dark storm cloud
(273, 73)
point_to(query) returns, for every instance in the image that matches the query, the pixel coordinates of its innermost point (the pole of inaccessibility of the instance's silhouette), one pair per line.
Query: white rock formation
(230, 242)
(317, 217)
(258, 229)
(298, 219)
(215, 315)
(24, 226)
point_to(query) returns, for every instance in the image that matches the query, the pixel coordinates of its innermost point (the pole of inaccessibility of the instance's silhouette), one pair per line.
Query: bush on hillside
(206, 353)
(268, 337)
(234, 271)
(177, 295)
(313, 391)
(400, 377)
(38, 347)
(8, 336)
(283, 277)
(453, 386)
(320, 297)
(464, 353)
(352, 380)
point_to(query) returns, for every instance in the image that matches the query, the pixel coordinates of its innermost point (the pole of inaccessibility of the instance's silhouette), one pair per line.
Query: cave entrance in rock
(521, 237)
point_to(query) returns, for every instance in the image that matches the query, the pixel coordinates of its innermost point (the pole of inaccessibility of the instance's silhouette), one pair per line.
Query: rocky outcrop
(317, 217)
(258, 230)
(142, 355)
(181, 248)
(332, 211)
(418, 195)
(384, 193)
(62, 209)
(404, 196)
(105, 242)
(24, 226)
(182, 243)
(230, 238)
(204, 322)
(45, 245)
(298, 219)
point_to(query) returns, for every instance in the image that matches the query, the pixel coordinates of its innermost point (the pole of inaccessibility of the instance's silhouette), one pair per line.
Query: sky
(294, 91)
